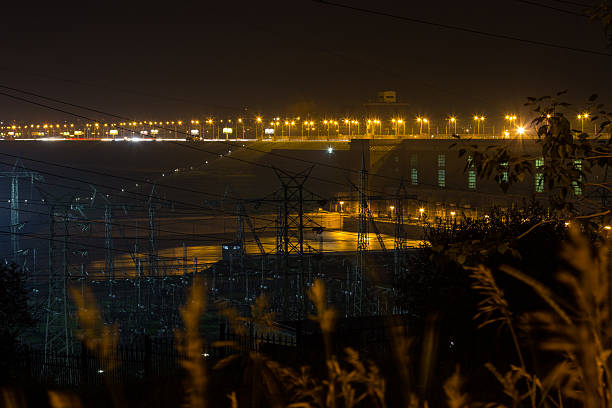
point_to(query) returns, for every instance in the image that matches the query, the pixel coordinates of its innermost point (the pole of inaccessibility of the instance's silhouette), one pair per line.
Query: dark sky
(180, 59)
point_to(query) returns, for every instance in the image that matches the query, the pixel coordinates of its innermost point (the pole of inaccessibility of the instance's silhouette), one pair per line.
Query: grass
(570, 366)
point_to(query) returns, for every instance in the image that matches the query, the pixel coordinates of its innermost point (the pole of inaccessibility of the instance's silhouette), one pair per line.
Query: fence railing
(148, 358)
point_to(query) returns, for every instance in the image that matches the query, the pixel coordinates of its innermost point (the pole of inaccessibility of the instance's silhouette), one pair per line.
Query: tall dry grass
(576, 330)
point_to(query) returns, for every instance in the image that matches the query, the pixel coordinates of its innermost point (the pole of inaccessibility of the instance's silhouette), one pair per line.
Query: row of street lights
(238, 126)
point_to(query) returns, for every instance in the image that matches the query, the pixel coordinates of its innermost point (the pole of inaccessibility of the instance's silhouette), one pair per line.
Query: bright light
(520, 130)
(391, 207)
(452, 213)
(421, 210)
(341, 202)
(607, 227)
(330, 150)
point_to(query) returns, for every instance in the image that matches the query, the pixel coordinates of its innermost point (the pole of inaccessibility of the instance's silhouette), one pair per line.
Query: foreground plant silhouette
(574, 329)
(579, 332)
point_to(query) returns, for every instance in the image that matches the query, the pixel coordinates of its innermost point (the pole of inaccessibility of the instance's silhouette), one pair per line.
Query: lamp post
(511, 119)
(242, 123)
(478, 119)
(257, 123)
(582, 117)
(341, 204)
(452, 121)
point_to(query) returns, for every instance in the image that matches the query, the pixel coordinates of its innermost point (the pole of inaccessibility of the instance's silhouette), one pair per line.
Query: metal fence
(148, 358)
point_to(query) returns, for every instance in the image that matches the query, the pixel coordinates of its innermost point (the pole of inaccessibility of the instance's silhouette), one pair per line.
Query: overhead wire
(462, 29)
(541, 5)
(211, 238)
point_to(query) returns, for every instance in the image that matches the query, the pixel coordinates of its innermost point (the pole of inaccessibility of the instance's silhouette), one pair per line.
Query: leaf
(502, 248)
(461, 259)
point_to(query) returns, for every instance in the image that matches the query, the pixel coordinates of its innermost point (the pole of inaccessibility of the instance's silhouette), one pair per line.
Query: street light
(257, 123)
(453, 121)
(325, 122)
(478, 119)
(520, 130)
(242, 123)
(420, 121)
(511, 119)
(582, 117)
(348, 123)
(341, 204)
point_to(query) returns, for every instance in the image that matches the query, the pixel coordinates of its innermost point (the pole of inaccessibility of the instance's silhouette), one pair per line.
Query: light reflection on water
(172, 258)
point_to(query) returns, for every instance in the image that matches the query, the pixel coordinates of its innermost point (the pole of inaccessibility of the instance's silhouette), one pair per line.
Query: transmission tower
(109, 262)
(362, 241)
(58, 333)
(152, 233)
(16, 173)
(290, 234)
(399, 235)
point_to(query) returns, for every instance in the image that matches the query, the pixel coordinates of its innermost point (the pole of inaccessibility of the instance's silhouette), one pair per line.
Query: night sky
(180, 60)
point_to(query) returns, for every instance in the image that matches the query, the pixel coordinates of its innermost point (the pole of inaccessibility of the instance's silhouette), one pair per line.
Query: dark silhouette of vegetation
(14, 314)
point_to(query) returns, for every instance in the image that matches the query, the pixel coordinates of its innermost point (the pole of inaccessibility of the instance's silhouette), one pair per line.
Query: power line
(211, 238)
(533, 3)
(463, 29)
(574, 3)
(80, 244)
(168, 201)
(123, 90)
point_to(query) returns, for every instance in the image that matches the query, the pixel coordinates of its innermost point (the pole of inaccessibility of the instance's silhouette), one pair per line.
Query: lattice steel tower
(359, 284)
